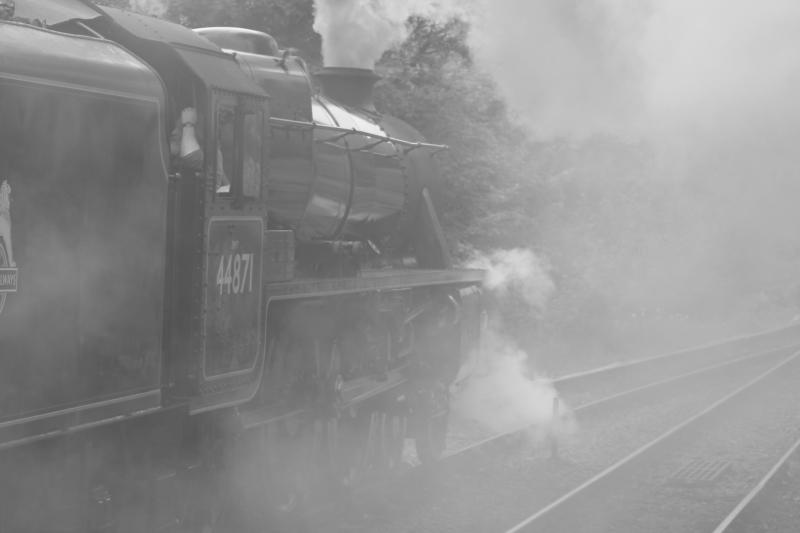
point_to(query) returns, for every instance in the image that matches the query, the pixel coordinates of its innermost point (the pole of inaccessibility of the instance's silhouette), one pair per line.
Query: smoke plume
(634, 67)
(498, 388)
(710, 88)
(356, 33)
(517, 270)
(502, 394)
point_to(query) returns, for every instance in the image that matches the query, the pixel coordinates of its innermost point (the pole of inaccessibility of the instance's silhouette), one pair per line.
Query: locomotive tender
(184, 346)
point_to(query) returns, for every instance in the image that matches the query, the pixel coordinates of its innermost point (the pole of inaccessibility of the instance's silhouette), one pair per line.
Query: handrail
(344, 132)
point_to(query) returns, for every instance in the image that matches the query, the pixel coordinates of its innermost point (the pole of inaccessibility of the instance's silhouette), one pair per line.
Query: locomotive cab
(217, 204)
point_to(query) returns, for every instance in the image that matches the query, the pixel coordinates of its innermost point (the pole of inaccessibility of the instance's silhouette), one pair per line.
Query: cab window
(239, 149)
(253, 153)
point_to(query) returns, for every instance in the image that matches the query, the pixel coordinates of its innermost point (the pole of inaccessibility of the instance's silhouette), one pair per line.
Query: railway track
(483, 485)
(691, 476)
(582, 387)
(773, 504)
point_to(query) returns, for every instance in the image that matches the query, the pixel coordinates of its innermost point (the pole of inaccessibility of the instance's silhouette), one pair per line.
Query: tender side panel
(87, 189)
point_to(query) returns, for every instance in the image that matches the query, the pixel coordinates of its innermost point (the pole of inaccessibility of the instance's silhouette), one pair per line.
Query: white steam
(499, 390)
(636, 67)
(504, 396)
(626, 67)
(356, 33)
(519, 271)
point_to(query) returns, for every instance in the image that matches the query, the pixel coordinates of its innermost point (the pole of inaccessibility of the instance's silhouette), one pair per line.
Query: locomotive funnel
(349, 86)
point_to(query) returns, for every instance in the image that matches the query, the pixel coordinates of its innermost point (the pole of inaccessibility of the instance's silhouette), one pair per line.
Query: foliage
(431, 82)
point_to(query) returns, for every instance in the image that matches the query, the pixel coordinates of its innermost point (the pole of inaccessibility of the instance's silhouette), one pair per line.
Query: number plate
(8, 280)
(233, 294)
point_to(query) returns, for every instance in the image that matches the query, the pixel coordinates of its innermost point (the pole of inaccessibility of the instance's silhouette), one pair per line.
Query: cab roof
(54, 12)
(155, 39)
(37, 54)
(161, 43)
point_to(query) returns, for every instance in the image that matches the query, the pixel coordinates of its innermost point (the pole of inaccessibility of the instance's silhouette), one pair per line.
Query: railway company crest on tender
(8, 270)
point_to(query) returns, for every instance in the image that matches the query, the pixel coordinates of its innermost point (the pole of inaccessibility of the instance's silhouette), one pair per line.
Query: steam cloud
(517, 270)
(635, 67)
(625, 67)
(499, 390)
(504, 396)
(710, 87)
(355, 33)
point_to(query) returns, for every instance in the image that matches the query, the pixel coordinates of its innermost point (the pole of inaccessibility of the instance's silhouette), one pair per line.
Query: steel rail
(731, 342)
(742, 506)
(606, 474)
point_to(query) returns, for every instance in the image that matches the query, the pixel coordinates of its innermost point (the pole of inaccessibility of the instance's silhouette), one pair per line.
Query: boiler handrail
(344, 132)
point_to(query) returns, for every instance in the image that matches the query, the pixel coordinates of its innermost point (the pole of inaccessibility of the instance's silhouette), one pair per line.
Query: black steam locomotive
(222, 292)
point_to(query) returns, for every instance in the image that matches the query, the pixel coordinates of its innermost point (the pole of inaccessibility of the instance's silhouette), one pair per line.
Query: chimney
(349, 86)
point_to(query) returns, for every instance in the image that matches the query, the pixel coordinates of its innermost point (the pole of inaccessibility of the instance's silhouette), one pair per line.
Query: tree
(431, 81)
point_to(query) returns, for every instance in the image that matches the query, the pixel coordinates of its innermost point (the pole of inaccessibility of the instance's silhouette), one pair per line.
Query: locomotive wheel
(430, 442)
(218, 511)
(310, 459)
(279, 450)
(218, 521)
(431, 436)
(394, 434)
(277, 486)
(326, 451)
(3, 263)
